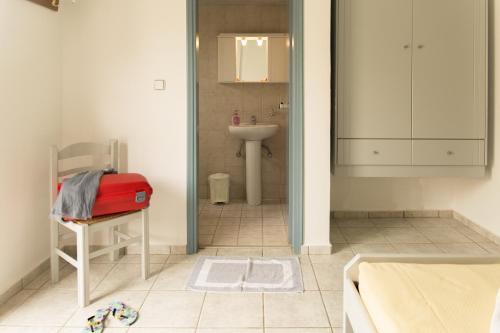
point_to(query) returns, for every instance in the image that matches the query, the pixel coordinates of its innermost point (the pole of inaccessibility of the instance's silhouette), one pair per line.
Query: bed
(425, 293)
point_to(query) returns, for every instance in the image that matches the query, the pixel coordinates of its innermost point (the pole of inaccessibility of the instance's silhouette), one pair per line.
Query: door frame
(295, 126)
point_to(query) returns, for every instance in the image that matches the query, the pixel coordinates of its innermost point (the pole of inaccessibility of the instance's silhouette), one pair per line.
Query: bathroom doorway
(245, 142)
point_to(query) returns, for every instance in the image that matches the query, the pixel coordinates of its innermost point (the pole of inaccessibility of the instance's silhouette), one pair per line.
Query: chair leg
(83, 261)
(54, 244)
(113, 239)
(145, 243)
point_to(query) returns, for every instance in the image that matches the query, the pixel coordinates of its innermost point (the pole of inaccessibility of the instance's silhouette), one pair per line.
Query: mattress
(430, 298)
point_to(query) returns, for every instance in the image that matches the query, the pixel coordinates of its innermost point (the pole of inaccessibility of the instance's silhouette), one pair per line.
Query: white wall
(30, 111)
(317, 122)
(478, 200)
(112, 52)
(373, 194)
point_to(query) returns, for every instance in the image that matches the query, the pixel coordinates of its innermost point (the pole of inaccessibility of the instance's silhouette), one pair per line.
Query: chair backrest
(101, 156)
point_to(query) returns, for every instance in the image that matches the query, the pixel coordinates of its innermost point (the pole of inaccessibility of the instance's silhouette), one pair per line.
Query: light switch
(159, 85)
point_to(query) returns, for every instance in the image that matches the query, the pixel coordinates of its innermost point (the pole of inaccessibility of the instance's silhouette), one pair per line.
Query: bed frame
(355, 316)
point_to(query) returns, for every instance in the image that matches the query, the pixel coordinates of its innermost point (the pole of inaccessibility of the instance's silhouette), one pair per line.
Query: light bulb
(244, 42)
(260, 41)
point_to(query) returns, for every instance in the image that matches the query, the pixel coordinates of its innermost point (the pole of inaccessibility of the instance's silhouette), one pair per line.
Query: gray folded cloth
(77, 196)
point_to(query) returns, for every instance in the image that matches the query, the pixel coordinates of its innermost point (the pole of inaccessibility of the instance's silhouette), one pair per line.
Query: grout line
(321, 294)
(201, 310)
(263, 313)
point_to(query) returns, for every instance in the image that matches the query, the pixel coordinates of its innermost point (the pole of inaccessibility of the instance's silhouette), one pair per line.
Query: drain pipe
(269, 153)
(241, 151)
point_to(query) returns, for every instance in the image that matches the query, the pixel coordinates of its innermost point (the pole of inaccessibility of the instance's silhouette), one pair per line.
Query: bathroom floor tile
(68, 276)
(101, 300)
(46, 307)
(462, 248)
(171, 309)
(373, 248)
(250, 241)
(295, 310)
(329, 277)
(128, 277)
(225, 240)
(240, 251)
(368, 235)
(27, 329)
(354, 223)
(173, 277)
(239, 309)
(404, 235)
(299, 330)
(283, 251)
(333, 304)
(186, 258)
(417, 248)
(230, 330)
(491, 247)
(136, 259)
(445, 235)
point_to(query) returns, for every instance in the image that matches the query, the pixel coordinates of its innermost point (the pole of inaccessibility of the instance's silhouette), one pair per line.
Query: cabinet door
(278, 59)
(444, 70)
(226, 59)
(375, 66)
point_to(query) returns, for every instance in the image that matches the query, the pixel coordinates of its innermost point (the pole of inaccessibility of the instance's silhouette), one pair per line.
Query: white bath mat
(243, 274)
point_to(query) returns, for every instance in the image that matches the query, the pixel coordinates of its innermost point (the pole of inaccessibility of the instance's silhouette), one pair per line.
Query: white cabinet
(226, 50)
(411, 81)
(376, 61)
(444, 77)
(278, 59)
(374, 152)
(253, 58)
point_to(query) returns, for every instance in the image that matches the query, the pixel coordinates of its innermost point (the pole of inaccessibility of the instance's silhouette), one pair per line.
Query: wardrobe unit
(411, 88)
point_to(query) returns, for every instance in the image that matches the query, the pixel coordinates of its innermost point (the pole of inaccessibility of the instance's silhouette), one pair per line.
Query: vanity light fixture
(260, 41)
(244, 42)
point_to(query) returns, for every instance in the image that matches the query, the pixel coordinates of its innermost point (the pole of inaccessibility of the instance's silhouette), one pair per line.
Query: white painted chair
(103, 156)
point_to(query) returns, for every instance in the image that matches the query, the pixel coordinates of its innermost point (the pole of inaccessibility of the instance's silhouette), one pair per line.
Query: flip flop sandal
(95, 324)
(125, 314)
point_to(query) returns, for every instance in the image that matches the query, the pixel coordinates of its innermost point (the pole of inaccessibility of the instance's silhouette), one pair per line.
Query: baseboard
(366, 214)
(159, 249)
(24, 281)
(476, 227)
(316, 249)
(445, 213)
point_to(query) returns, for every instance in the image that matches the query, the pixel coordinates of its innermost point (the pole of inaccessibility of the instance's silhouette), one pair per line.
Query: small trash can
(219, 188)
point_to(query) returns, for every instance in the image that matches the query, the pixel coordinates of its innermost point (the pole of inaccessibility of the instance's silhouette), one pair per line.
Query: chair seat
(104, 218)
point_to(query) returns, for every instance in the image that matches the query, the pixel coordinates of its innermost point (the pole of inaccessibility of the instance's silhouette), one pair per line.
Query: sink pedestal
(253, 172)
(253, 136)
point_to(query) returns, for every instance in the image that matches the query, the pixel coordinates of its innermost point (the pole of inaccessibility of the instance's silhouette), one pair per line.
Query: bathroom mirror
(248, 58)
(252, 59)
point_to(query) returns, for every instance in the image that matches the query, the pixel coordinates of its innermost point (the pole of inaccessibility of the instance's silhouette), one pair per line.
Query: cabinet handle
(406, 46)
(376, 152)
(450, 153)
(420, 46)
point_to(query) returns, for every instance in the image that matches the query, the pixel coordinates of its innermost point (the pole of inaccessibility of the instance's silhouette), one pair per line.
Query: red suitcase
(120, 193)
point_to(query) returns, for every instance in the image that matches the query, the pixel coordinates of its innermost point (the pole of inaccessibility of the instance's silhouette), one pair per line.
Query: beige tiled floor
(237, 224)
(166, 307)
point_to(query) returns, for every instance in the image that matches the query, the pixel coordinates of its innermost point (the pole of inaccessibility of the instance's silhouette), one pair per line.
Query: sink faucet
(253, 120)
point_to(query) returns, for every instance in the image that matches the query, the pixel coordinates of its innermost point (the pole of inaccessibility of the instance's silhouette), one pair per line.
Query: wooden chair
(102, 156)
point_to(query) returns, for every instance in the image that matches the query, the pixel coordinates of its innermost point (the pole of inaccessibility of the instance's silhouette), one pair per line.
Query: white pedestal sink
(253, 136)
